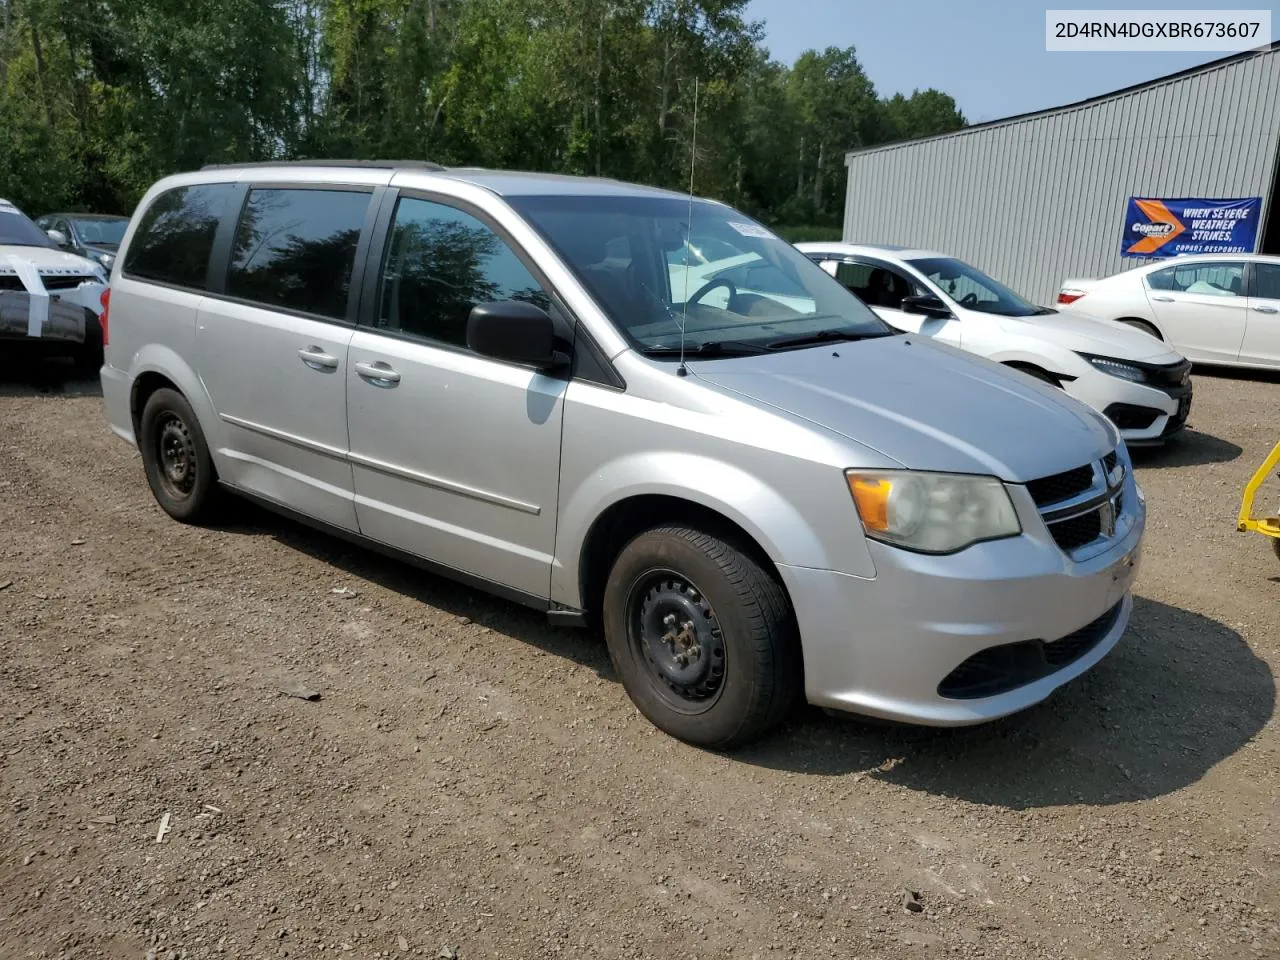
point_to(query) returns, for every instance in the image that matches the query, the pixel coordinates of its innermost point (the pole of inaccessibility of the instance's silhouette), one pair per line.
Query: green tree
(924, 114)
(99, 98)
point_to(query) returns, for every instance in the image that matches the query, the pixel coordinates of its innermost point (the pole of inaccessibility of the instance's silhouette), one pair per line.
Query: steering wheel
(969, 299)
(706, 288)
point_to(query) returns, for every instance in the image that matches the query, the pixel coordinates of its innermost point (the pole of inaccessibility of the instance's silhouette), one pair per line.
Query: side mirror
(514, 331)
(927, 304)
(58, 237)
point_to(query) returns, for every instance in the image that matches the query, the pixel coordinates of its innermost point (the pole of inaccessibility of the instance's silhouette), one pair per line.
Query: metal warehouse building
(1036, 198)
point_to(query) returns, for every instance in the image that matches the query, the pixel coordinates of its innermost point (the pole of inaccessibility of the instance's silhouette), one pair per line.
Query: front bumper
(1144, 413)
(884, 646)
(64, 325)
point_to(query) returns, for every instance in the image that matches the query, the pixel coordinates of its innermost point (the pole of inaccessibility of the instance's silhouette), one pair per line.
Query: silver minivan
(755, 488)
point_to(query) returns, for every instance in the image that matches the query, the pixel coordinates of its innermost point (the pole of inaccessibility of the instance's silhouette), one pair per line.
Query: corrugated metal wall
(1037, 199)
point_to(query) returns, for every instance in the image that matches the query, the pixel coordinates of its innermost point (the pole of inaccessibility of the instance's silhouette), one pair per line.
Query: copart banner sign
(1168, 227)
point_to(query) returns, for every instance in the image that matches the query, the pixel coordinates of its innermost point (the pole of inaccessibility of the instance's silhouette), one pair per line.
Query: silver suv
(754, 487)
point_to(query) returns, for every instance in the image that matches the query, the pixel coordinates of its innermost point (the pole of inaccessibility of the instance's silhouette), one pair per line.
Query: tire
(88, 356)
(745, 669)
(1145, 327)
(1275, 545)
(176, 457)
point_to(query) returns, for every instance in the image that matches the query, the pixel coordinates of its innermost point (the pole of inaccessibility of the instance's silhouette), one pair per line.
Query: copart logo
(1153, 229)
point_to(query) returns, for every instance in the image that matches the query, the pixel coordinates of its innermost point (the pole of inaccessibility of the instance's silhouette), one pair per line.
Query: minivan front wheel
(179, 469)
(702, 637)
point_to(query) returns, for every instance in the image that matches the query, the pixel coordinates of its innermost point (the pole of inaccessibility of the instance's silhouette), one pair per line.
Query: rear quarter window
(175, 236)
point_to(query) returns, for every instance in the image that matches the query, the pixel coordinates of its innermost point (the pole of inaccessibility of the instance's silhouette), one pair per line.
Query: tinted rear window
(296, 248)
(174, 238)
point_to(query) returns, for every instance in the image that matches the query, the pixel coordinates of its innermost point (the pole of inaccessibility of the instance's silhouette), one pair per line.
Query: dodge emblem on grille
(1107, 518)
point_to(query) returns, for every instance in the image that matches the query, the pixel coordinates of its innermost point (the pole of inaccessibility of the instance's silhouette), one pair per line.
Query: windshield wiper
(826, 336)
(711, 348)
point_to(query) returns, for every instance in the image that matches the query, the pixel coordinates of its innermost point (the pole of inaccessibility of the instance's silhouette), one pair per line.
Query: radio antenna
(682, 370)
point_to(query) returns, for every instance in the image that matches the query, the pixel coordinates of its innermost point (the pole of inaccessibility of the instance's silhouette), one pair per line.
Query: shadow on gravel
(1191, 448)
(1237, 373)
(24, 375)
(1180, 694)
(433, 590)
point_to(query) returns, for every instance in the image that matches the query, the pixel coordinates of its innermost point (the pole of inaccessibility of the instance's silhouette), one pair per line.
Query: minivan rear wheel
(176, 457)
(702, 637)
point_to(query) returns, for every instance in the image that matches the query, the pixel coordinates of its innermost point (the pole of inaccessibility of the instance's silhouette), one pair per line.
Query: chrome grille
(54, 281)
(1061, 486)
(1081, 506)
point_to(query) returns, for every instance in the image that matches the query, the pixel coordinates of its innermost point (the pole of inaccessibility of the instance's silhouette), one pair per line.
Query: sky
(989, 55)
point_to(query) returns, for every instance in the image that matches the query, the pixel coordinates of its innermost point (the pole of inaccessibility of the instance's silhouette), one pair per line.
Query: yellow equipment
(1267, 526)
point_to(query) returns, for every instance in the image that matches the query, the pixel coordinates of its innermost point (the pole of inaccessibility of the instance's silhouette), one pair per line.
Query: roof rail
(373, 164)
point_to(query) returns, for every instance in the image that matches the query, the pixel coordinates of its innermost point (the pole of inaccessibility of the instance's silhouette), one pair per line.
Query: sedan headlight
(1117, 368)
(106, 260)
(932, 512)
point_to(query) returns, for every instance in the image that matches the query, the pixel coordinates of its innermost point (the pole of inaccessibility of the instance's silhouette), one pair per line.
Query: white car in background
(1141, 384)
(1213, 308)
(50, 301)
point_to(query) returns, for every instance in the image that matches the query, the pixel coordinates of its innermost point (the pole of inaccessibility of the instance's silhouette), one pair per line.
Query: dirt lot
(473, 782)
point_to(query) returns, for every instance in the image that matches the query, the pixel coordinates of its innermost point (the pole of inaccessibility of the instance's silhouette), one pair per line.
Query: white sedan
(1143, 385)
(1214, 308)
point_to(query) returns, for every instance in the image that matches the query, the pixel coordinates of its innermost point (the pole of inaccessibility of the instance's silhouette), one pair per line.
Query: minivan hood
(925, 405)
(1082, 333)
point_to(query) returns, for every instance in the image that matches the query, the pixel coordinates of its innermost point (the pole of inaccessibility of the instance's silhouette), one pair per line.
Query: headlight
(1117, 368)
(932, 512)
(106, 260)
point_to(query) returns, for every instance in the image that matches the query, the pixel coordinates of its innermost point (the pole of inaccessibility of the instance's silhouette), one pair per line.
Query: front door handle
(1266, 309)
(380, 374)
(317, 359)
(1163, 299)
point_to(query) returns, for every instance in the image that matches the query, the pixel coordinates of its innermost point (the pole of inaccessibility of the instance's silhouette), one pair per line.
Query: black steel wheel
(176, 452)
(702, 636)
(176, 457)
(674, 631)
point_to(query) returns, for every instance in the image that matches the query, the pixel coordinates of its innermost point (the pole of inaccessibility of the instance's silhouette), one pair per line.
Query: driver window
(439, 263)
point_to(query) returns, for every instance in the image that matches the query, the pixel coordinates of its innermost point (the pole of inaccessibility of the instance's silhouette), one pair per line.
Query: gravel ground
(474, 783)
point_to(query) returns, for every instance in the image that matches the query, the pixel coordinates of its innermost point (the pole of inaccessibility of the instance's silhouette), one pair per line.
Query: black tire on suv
(703, 638)
(88, 356)
(176, 456)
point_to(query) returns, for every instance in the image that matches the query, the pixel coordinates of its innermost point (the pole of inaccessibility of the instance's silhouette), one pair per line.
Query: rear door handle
(316, 358)
(380, 374)
(1163, 299)
(1266, 309)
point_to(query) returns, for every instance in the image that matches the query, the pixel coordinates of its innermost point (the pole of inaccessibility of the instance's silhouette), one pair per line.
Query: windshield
(17, 230)
(973, 289)
(728, 281)
(100, 232)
